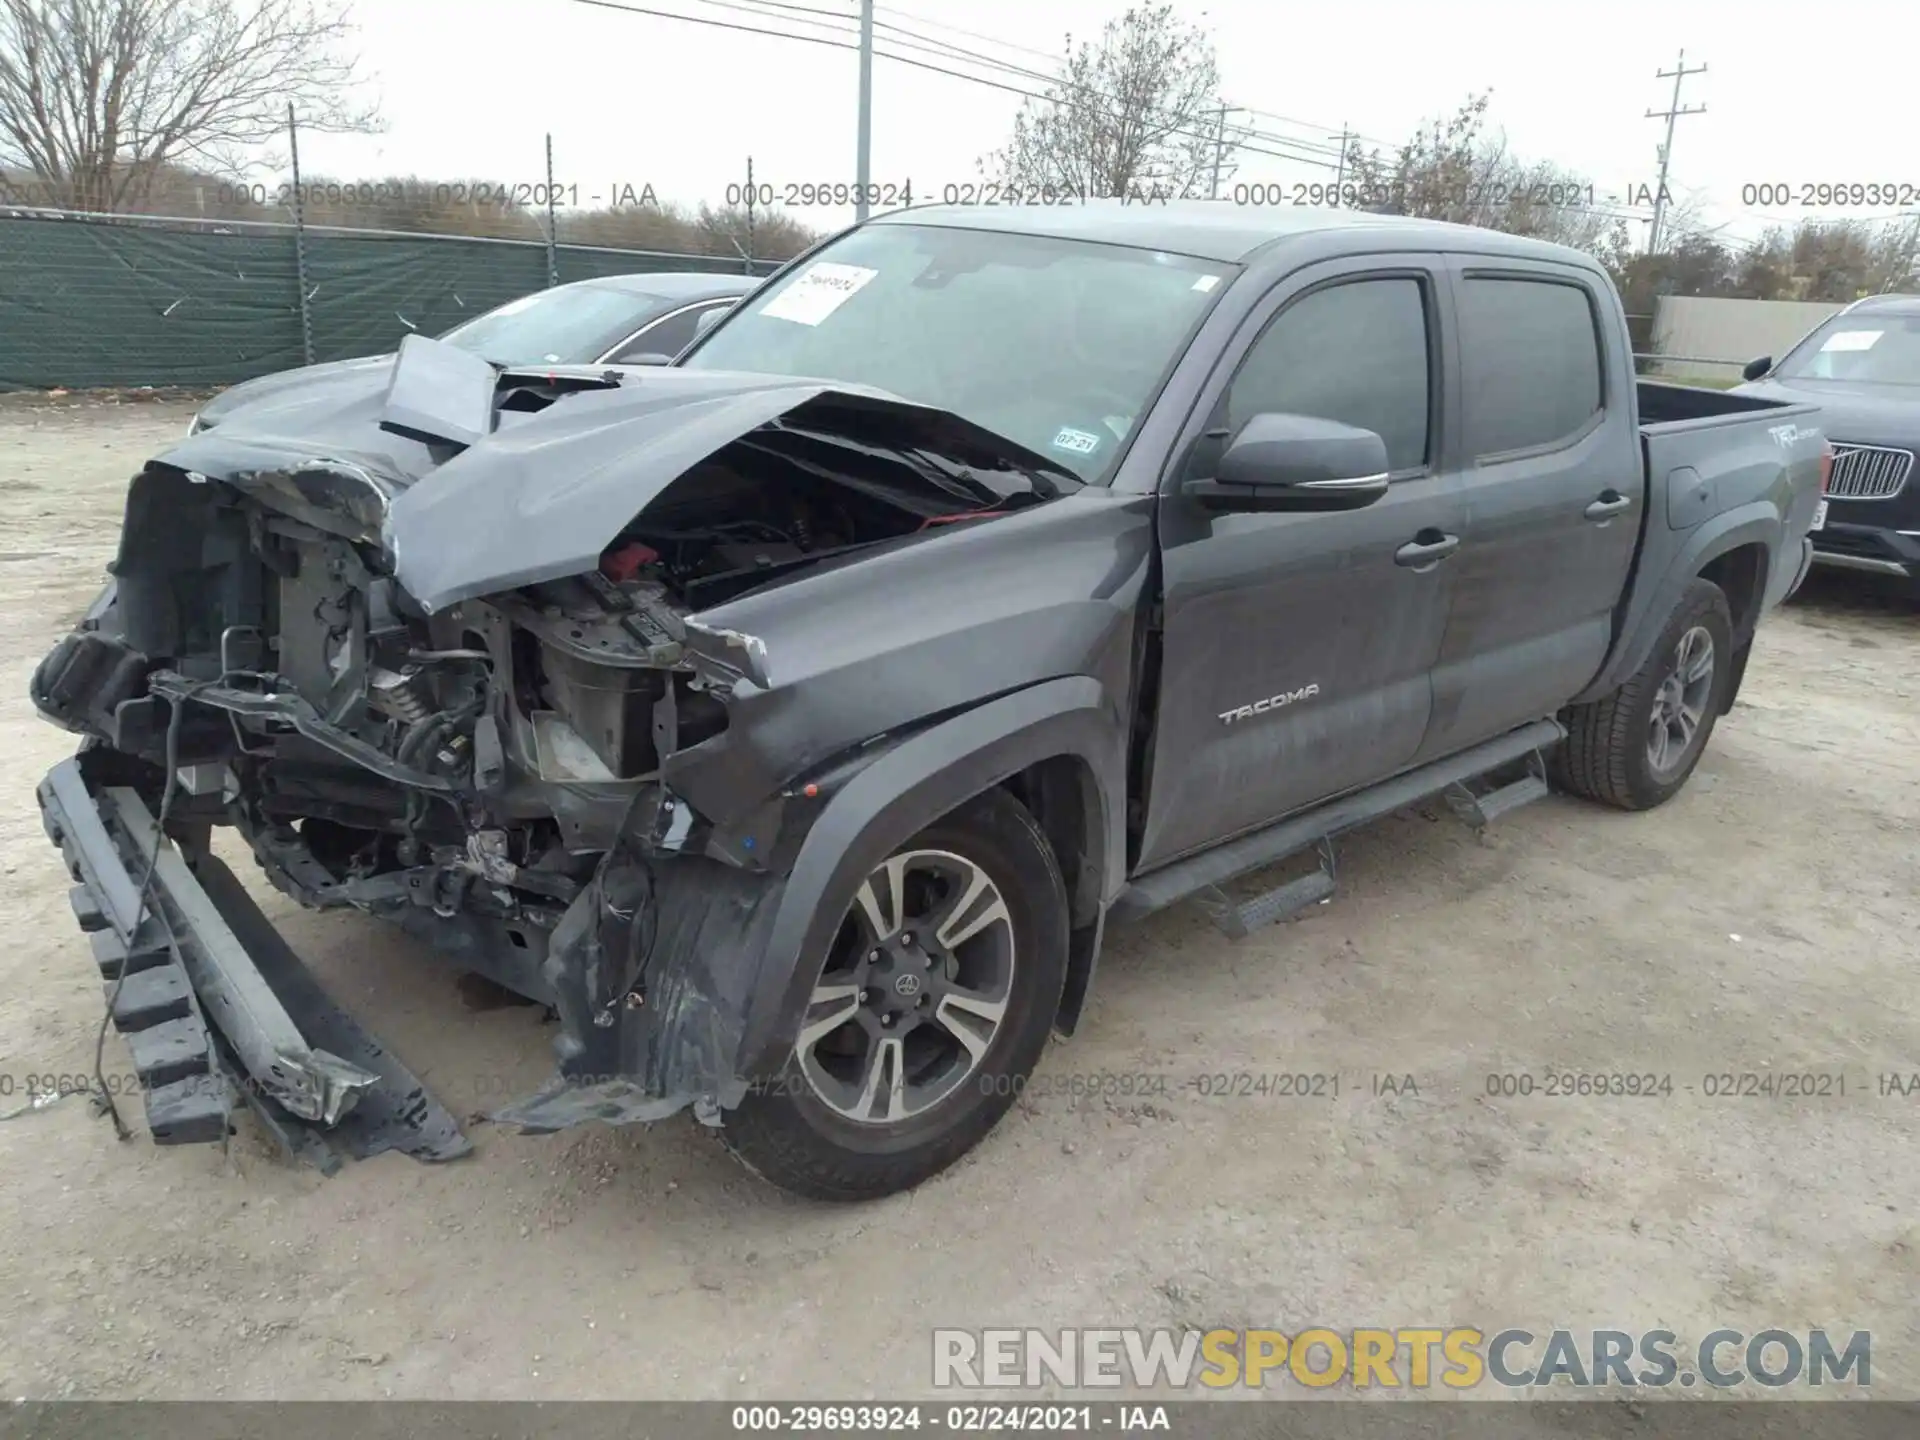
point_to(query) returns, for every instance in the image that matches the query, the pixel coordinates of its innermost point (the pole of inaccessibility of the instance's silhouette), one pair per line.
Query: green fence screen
(87, 303)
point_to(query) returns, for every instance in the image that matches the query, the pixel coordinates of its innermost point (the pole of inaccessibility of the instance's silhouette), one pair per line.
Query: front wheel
(1636, 747)
(931, 1009)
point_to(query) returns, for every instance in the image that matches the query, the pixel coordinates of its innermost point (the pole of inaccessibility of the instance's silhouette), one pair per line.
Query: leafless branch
(1134, 114)
(101, 99)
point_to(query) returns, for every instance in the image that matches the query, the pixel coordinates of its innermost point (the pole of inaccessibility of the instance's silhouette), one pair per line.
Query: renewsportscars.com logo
(1418, 1358)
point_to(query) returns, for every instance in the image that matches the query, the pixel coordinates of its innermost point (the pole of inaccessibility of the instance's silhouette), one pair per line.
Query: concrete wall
(1731, 330)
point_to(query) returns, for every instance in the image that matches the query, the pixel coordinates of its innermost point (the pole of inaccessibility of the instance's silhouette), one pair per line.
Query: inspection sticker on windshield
(822, 288)
(1078, 442)
(1853, 340)
(1206, 283)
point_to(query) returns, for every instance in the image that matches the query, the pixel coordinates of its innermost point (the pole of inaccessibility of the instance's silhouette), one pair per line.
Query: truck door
(1296, 649)
(1554, 491)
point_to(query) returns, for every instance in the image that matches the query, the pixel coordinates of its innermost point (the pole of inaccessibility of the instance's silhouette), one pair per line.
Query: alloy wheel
(915, 991)
(1680, 702)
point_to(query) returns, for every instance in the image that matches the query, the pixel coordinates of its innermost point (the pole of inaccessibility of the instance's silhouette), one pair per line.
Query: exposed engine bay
(452, 647)
(469, 765)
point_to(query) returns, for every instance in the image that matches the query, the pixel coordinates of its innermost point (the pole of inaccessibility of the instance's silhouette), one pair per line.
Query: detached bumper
(215, 1008)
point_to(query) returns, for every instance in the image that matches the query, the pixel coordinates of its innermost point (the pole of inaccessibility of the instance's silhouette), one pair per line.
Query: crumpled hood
(306, 382)
(1852, 413)
(549, 490)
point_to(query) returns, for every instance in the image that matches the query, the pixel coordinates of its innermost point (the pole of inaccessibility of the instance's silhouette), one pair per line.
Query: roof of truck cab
(1216, 230)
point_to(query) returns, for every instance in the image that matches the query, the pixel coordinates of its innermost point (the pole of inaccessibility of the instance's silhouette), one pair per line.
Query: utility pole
(1673, 112)
(300, 242)
(1219, 154)
(864, 156)
(553, 263)
(1340, 170)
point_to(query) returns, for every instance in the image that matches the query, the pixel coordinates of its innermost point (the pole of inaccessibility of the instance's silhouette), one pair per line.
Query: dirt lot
(1764, 922)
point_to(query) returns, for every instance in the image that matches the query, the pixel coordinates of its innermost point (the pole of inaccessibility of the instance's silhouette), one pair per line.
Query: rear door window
(1531, 362)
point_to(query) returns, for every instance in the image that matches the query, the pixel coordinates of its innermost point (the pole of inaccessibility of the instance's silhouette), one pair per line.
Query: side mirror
(1756, 369)
(1295, 462)
(708, 319)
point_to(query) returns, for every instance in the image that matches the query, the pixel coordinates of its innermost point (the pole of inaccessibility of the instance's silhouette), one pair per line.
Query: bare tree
(1133, 114)
(1832, 260)
(99, 97)
(1455, 170)
(1897, 258)
(768, 234)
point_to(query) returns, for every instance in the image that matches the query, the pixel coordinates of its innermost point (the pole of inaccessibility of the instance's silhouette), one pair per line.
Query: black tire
(1606, 756)
(784, 1132)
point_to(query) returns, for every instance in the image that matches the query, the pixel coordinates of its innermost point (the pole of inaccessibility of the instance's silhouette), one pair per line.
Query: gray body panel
(548, 491)
(1089, 649)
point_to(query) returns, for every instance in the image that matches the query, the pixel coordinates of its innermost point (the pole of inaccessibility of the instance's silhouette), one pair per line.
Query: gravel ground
(1763, 922)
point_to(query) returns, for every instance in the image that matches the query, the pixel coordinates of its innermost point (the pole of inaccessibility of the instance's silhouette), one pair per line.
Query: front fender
(897, 796)
(681, 979)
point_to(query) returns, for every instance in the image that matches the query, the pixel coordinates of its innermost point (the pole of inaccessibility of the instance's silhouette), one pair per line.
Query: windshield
(570, 325)
(1058, 345)
(1881, 349)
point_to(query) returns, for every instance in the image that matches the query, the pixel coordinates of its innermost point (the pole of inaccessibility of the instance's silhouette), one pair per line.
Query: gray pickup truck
(792, 720)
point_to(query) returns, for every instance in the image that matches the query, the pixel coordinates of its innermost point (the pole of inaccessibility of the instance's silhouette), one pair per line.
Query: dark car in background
(611, 320)
(1862, 367)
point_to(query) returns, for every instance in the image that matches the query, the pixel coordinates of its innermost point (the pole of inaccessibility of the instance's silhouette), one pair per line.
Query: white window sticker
(820, 289)
(1206, 283)
(1853, 340)
(1077, 442)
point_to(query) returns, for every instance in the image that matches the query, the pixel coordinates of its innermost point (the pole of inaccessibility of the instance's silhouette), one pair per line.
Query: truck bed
(1700, 469)
(1718, 466)
(1664, 407)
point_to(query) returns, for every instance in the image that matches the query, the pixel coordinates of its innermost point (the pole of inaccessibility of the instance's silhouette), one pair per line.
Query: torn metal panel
(548, 494)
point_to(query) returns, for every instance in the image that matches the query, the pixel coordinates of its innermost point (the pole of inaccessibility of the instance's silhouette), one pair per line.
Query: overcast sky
(470, 87)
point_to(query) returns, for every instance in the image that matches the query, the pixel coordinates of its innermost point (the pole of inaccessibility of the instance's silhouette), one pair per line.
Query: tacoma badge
(1272, 702)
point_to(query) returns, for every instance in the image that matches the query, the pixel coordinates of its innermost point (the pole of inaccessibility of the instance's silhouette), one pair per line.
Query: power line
(970, 34)
(1029, 50)
(837, 22)
(630, 9)
(946, 50)
(1349, 133)
(1055, 78)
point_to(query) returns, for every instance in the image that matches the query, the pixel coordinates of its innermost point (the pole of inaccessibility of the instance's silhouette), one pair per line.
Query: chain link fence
(116, 301)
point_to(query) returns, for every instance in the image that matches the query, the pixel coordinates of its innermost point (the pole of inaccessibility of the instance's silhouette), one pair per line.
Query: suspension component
(400, 694)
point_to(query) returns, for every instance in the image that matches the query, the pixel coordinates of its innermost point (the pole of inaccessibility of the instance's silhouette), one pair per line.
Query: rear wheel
(931, 1008)
(1636, 747)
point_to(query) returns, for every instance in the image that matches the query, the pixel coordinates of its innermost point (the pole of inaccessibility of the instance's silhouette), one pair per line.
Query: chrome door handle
(1426, 549)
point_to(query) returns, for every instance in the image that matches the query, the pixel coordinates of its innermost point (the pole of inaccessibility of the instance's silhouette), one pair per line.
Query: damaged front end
(438, 651)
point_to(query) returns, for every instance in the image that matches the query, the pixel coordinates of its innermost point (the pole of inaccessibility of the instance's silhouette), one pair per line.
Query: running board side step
(1209, 869)
(1481, 810)
(1239, 919)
